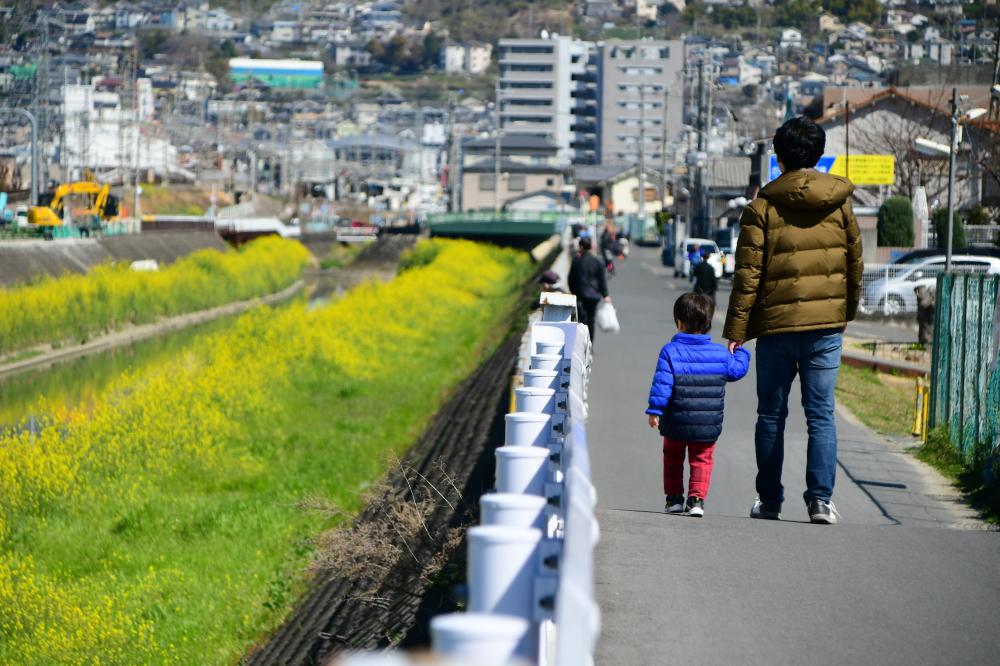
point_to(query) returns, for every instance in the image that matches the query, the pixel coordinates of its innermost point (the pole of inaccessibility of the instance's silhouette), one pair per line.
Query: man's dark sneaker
(822, 513)
(695, 506)
(766, 510)
(675, 504)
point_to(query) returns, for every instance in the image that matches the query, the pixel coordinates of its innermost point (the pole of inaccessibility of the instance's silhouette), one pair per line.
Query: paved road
(908, 577)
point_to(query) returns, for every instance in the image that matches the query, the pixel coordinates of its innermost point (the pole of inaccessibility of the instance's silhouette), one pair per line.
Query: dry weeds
(411, 530)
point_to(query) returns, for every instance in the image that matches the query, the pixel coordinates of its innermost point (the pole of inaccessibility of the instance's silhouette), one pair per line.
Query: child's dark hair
(695, 312)
(799, 143)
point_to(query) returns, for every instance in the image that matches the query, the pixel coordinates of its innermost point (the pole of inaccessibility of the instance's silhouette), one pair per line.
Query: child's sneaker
(695, 506)
(675, 504)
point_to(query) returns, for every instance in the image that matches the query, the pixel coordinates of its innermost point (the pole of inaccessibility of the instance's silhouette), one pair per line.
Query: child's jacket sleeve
(739, 364)
(663, 384)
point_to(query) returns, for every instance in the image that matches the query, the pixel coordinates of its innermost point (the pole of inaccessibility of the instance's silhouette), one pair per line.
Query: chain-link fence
(890, 290)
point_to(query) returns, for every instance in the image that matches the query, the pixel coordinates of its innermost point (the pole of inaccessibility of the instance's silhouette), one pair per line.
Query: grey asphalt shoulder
(888, 585)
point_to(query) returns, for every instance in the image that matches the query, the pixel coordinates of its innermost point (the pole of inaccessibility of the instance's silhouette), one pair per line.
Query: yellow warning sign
(866, 169)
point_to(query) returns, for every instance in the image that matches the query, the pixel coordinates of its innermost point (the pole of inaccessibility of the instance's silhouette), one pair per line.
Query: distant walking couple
(797, 284)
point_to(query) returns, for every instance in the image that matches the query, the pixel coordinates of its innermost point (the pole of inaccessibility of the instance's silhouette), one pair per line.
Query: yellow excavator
(101, 204)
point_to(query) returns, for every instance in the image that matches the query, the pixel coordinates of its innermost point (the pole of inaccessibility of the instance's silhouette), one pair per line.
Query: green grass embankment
(163, 522)
(79, 307)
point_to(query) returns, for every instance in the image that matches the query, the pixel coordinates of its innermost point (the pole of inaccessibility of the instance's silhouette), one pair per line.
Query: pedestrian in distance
(610, 245)
(549, 281)
(797, 284)
(705, 281)
(687, 398)
(588, 282)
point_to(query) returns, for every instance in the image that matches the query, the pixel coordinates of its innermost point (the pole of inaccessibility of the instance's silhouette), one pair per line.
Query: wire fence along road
(890, 290)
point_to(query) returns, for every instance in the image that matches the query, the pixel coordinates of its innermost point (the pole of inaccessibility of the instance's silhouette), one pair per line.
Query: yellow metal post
(921, 409)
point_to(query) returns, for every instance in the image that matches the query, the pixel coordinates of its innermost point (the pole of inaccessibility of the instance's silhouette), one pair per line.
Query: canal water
(79, 381)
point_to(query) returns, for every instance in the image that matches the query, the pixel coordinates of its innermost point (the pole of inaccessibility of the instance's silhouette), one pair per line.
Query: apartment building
(548, 88)
(586, 97)
(641, 98)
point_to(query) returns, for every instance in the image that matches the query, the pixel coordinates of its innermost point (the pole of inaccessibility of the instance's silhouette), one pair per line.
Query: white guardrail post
(530, 562)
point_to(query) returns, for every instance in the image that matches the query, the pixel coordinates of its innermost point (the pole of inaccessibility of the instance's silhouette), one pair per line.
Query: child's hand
(654, 421)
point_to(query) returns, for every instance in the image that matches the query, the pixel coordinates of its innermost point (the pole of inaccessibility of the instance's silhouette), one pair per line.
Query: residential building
(530, 172)
(351, 54)
(453, 58)
(790, 39)
(286, 32)
(548, 88)
(478, 57)
(457, 58)
(646, 9)
(219, 20)
(98, 133)
(829, 23)
(641, 99)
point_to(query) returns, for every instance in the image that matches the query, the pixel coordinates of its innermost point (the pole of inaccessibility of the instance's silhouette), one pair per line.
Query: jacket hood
(808, 190)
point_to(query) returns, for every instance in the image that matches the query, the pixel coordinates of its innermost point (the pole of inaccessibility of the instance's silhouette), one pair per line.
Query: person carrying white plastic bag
(607, 318)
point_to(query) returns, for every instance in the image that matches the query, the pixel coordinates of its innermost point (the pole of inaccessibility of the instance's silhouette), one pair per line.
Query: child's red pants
(701, 457)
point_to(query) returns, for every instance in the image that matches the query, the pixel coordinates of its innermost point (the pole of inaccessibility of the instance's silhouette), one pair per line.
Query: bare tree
(894, 131)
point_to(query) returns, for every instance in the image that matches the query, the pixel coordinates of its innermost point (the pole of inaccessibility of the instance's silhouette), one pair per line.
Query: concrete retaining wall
(21, 261)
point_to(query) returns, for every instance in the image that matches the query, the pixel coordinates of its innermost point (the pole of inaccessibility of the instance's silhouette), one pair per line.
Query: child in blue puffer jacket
(687, 398)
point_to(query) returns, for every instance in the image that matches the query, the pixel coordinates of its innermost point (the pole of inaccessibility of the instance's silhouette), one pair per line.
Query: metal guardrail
(503, 217)
(530, 564)
(965, 370)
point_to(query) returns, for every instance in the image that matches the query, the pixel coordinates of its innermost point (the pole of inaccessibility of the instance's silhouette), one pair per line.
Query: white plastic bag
(607, 318)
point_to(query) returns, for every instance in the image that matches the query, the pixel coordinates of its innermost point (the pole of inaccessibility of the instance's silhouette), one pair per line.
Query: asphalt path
(909, 576)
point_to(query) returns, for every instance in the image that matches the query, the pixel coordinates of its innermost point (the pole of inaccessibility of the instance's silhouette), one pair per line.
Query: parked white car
(890, 290)
(682, 264)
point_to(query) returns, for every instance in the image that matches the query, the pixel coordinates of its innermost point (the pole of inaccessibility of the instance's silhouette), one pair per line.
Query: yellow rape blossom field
(78, 307)
(159, 525)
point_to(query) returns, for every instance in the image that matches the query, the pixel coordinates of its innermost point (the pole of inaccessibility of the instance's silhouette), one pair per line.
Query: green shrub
(940, 219)
(895, 223)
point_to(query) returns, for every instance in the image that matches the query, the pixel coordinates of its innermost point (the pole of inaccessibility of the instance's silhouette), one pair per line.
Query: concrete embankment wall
(23, 260)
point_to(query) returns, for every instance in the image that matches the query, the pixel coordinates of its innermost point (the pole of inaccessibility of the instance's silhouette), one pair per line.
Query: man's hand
(734, 345)
(654, 421)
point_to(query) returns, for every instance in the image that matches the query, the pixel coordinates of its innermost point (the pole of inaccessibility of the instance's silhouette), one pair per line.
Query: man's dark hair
(585, 244)
(695, 312)
(799, 143)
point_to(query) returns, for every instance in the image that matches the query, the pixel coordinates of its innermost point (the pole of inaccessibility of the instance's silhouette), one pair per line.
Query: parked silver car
(889, 289)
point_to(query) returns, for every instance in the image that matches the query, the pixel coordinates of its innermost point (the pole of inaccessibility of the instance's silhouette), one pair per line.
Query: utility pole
(663, 148)
(453, 200)
(995, 89)
(133, 73)
(641, 209)
(496, 153)
(953, 148)
(704, 114)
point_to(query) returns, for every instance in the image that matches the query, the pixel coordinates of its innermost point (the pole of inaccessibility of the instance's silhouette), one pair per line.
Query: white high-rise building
(586, 97)
(548, 88)
(99, 134)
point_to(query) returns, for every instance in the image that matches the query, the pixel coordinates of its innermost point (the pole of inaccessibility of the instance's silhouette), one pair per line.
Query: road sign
(865, 169)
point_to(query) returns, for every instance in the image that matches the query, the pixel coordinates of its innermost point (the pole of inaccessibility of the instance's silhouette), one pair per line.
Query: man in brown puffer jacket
(797, 284)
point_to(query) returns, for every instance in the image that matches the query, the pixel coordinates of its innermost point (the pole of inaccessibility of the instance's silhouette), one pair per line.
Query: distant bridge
(517, 228)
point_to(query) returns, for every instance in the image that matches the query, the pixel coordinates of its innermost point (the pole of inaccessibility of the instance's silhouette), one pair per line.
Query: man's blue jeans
(815, 356)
